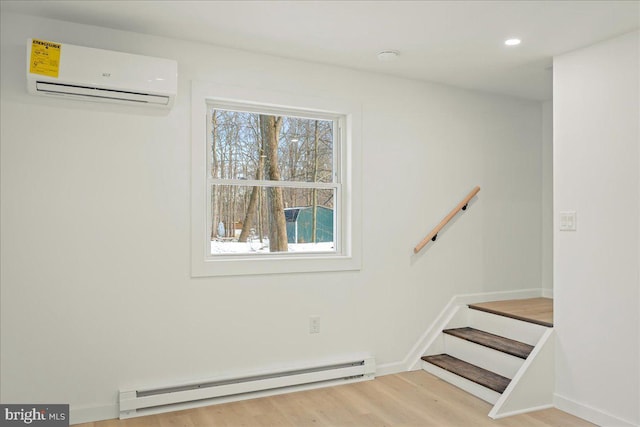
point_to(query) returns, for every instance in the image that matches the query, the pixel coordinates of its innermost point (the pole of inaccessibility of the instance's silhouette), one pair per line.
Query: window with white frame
(272, 184)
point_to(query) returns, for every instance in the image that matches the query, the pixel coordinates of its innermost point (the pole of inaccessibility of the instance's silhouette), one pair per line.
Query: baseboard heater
(134, 403)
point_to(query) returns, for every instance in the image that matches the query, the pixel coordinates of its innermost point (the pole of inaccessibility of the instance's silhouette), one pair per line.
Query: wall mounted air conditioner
(83, 73)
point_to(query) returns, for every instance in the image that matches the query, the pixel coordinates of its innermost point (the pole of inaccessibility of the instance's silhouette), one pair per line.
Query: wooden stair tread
(532, 310)
(496, 342)
(471, 372)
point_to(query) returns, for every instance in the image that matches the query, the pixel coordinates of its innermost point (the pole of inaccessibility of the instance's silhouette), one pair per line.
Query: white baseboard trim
(390, 368)
(589, 413)
(88, 414)
(497, 296)
(547, 292)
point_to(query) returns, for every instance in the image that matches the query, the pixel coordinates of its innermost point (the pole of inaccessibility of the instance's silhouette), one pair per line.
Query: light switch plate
(568, 221)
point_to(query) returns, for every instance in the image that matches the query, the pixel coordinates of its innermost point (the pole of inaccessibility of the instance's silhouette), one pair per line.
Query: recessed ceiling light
(512, 42)
(387, 55)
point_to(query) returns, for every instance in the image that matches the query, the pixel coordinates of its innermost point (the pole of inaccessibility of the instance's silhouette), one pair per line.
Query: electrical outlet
(314, 324)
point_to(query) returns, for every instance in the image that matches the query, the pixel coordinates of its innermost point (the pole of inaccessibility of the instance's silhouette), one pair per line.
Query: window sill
(277, 264)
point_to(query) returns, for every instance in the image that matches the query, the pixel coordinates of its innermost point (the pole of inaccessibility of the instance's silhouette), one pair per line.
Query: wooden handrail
(434, 233)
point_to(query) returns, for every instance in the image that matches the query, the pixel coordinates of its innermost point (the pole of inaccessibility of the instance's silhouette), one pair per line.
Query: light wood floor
(409, 399)
(537, 310)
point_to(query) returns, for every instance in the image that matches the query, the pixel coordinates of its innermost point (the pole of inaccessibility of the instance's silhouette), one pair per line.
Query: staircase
(503, 359)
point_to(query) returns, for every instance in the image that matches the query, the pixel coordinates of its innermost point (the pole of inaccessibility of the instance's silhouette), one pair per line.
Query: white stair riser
(460, 319)
(484, 357)
(518, 330)
(437, 346)
(477, 390)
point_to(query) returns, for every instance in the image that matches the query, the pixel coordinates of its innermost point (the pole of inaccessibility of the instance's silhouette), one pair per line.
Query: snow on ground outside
(222, 247)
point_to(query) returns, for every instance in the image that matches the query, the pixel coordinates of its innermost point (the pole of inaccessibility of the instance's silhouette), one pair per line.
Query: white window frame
(348, 164)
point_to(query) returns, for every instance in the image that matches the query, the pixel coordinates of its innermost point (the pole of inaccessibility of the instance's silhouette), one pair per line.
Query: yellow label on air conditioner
(45, 58)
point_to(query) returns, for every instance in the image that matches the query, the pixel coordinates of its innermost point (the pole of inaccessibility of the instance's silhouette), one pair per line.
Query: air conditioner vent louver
(101, 94)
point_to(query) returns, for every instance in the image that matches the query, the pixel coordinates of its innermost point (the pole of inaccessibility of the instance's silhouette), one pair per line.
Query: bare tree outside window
(273, 183)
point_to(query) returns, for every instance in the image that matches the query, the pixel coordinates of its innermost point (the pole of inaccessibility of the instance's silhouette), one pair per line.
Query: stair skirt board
(139, 402)
(532, 387)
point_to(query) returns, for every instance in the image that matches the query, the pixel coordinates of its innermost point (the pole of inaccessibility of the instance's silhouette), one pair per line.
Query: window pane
(258, 220)
(240, 147)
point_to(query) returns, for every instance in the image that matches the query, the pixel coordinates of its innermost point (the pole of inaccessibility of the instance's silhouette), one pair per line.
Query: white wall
(596, 139)
(96, 287)
(547, 198)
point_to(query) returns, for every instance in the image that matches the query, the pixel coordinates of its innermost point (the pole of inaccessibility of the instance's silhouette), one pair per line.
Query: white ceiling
(453, 42)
